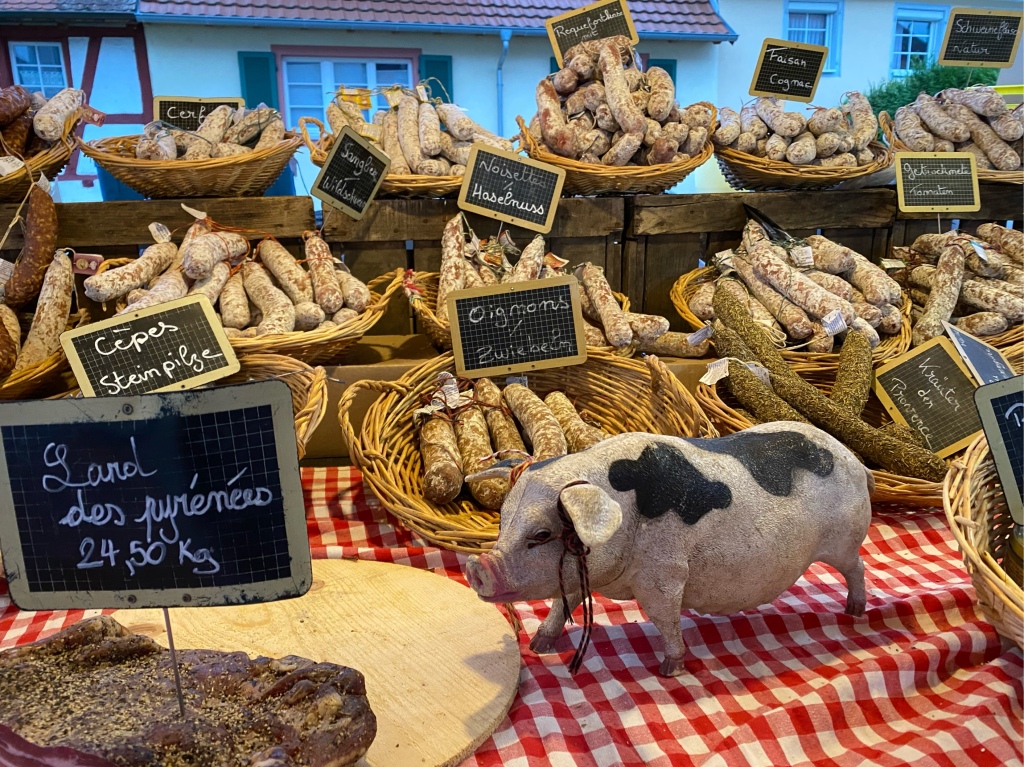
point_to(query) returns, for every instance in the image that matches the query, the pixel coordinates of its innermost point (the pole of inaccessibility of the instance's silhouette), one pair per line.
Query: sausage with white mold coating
(442, 463)
(206, 250)
(117, 282)
(453, 265)
(579, 435)
(622, 150)
(309, 316)
(473, 439)
(751, 123)
(565, 81)
(278, 310)
(949, 275)
(357, 294)
(663, 94)
(976, 294)
(540, 425)
(557, 134)
(790, 316)
(292, 278)
(52, 312)
(617, 91)
(803, 292)
(601, 297)
(503, 431)
(211, 285)
(323, 278)
(234, 304)
(825, 120)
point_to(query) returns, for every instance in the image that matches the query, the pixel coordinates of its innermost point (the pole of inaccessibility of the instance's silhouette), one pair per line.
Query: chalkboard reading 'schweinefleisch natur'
(981, 38)
(352, 174)
(788, 70)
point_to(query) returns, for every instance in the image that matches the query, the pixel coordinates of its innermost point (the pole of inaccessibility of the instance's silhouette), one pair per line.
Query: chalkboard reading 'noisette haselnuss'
(511, 188)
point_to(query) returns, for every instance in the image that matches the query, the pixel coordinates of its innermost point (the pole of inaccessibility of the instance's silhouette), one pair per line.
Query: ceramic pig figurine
(712, 525)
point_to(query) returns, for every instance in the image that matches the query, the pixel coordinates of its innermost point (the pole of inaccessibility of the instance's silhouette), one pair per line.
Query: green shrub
(890, 95)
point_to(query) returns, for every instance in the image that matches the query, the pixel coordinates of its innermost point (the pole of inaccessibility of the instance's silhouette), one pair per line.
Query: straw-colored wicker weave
(242, 175)
(589, 179)
(393, 184)
(45, 378)
(622, 395)
(746, 171)
(900, 491)
(308, 386)
(981, 523)
(421, 289)
(808, 364)
(984, 174)
(326, 346)
(49, 163)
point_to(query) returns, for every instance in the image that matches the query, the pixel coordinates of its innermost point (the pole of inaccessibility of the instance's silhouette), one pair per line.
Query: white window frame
(833, 11)
(936, 15)
(327, 76)
(49, 43)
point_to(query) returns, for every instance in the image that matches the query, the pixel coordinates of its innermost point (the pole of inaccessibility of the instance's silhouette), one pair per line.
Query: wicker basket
(745, 171)
(48, 163)
(807, 364)
(243, 175)
(421, 289)
(984, 174)
(393, 185)
(981, 523)
(905, 492)
(589, 179)
(37, 381)
(322, 347)
(621, 394)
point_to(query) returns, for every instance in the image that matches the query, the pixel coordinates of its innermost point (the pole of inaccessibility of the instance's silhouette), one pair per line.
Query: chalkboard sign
(930, 389)
(188, 112)
(987, 364)
(937, 182)
(1001, 407)
(981, 37)
(517, 326)
(788, 70)
(596, 21)
(511, 188)
(352, 174)
(172, 346)
(183, 498)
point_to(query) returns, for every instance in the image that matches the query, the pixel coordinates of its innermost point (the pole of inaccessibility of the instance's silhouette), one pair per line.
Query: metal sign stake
(174, 663)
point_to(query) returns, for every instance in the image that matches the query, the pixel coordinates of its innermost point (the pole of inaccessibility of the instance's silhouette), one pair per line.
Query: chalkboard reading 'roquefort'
(788, 70)
(981, 37)
(607, 18)
(511, 188)
(937, 182)
(187, 112)
(517, 326)
(352, 174)
(182, 498)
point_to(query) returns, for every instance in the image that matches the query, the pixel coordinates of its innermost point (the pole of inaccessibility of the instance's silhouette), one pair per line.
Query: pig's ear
(595, 515)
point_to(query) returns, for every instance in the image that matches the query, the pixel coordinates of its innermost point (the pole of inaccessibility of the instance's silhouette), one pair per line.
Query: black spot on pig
(665, 481)
(771, 457)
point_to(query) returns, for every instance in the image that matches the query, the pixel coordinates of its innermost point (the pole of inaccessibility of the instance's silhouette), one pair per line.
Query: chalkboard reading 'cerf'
(172, 346)
(981, 37)
(788, 70)
(188, 112)
(596, 21)
(182, 498)
(517, 326)
(937, 182)
(352, 174)
(511, 188)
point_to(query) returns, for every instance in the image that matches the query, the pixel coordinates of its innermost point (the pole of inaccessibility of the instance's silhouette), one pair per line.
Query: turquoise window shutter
(258, 72)
(669, 65)
(440, 69)
(554, 65)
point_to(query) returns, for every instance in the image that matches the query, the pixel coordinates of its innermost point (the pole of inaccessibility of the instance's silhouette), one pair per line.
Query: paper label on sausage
(92, 115)
(802, 256)
(833, 323)
(9, 165)
(393, 96)
(760, 371)
(449, 392)
(980, 250)
(515, 380)
(371, 131)
(700, 336)
(893, 263)
(86, 263)
(723, 261)
(716, 371)
(43, 183)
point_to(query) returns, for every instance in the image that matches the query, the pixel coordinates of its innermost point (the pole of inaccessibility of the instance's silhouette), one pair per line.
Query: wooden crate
(669, 235)
(999, 203)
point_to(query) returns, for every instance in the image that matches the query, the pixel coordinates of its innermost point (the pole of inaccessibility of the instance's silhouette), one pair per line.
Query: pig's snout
(487, 579)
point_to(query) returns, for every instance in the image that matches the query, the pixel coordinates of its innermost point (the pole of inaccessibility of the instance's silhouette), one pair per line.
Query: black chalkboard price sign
(182, 498)
(1001, 407)
(172, 346)
(788, 70)
(937, 182)
(596, 21)
(511, 188)
(352, 174)
(987, 364)
(930, 389)
(188, 112)
(516, 327)
(981, 37)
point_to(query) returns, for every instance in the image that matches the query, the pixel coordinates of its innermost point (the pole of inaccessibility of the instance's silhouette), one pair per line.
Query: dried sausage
(37, 254)
(751, 123)
(663, 95)
(503, 431)
(530, 262)
(429, 130)
(790, 316)
(599, 293)
(579, 435)
(117, 282)
(803, 292)
(278, 311)
(309, 316)
(200, 256)
(911, 132)
(357, 295)
(983, 323)
(234, 304)
(212, 285)
(442, 463)
(326, 289)
(673, 344)
(557, 134)
(292, 278)
(540, 425)
(949, 276)
(629, 118)
(825, 121)
(456, 122)
(49, 119)
(786, 124)
(474, 444)
(392, 147)
(646, 328)
(52, 312)
(453, 265)
(865, 124)
(14, 102)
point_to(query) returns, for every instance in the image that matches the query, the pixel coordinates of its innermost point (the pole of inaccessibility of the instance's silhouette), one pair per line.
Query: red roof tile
(689, 17)
(68, 6)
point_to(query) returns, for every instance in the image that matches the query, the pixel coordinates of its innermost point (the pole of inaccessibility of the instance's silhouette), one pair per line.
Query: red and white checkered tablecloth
(923, 680)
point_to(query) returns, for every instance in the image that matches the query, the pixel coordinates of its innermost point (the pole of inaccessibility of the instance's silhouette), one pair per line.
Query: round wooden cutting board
(441, 667)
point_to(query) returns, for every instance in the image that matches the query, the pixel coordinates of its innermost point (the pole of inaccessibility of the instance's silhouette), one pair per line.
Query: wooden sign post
(929, 389)
(175, 499)
(517, 326)
(352, 174)
(172, 346)
(606, 18)
(937, 182)
(987, 364)
(788, 70)
(188, 112)
(1001, 408)
(511, 188)
(980, 37)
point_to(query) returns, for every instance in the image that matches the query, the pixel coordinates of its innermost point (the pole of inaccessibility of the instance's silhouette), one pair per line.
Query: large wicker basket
(902, 492)
(808, 364)
(421, 290)
(746, 171)
(589, 179)
(243, 175)
(623, 395)
(48, 163)
(393, 185)
(46, 378)
(981, 523)
(984, 174)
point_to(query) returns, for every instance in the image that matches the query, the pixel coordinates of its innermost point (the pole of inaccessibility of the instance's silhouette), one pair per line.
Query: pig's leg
(551, 628)
(851, 567)
(660, 594)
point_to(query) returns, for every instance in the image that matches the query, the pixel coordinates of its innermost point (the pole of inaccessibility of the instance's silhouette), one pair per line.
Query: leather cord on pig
(571, 544)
